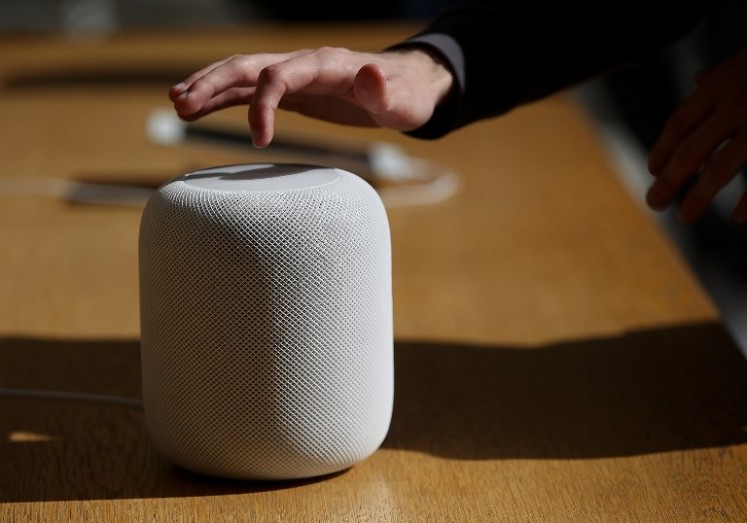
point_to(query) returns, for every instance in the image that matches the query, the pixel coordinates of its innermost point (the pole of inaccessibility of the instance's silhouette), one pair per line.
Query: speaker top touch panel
(262, 177)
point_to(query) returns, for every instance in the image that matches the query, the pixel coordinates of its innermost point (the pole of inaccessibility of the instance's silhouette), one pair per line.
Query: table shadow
(644, 392)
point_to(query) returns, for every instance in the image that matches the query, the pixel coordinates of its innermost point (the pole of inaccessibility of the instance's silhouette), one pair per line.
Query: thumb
(371, 90)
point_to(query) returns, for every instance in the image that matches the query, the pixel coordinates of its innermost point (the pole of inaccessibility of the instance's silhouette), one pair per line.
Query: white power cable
(57, 395)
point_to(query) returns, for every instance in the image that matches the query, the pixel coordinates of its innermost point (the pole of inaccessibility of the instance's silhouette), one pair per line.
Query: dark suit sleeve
(503, 57)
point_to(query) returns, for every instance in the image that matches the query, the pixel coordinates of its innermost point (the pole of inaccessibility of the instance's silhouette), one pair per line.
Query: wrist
(431, 68)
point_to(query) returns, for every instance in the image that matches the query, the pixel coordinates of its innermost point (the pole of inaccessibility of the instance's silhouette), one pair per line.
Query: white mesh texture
(266, 323)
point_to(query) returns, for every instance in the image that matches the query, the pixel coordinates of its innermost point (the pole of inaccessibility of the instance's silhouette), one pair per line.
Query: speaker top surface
(262, 177)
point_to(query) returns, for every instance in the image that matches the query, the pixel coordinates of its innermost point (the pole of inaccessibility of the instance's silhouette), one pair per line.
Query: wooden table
(555, 358)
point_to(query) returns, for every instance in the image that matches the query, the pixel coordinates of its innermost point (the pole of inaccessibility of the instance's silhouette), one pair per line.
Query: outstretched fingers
(704, 142)
(221, 84)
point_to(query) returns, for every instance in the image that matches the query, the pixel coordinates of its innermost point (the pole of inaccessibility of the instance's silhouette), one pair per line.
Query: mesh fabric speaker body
(266, 321)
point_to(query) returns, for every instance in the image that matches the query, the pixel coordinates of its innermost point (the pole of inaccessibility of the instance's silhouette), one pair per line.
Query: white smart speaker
(266, 320)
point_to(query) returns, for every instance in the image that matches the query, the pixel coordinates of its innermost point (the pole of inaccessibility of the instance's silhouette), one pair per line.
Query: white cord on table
(58, 395)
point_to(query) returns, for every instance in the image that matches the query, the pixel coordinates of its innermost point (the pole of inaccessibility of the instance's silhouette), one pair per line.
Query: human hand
(705, 137)
(397, 90)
